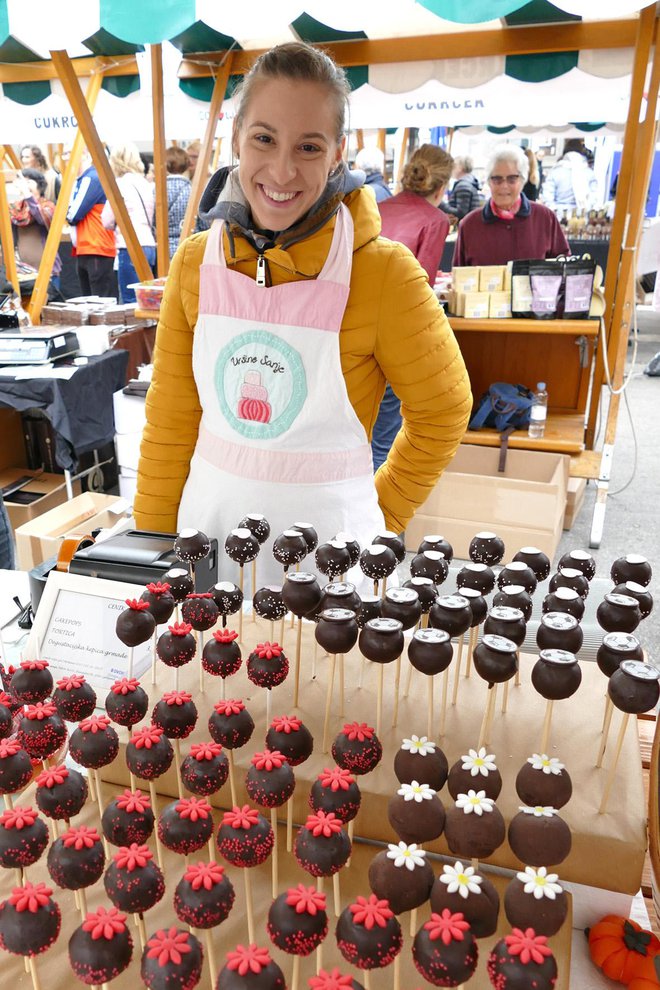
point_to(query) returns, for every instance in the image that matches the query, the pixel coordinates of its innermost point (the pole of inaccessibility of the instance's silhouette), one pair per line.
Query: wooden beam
(74, 95)
(7, 238)
(160, 165)
(120, 65)
(380, 140)
(359, 138)
(9, 153)
(403, 152)
(216, 154)
(201, 172)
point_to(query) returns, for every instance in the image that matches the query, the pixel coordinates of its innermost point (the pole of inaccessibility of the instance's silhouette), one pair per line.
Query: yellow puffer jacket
(393, 329)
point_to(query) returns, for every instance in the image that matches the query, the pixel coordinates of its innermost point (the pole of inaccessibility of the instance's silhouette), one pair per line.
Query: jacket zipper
(261, 270)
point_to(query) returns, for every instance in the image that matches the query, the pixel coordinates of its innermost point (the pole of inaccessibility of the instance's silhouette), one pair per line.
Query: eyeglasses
(510, 180)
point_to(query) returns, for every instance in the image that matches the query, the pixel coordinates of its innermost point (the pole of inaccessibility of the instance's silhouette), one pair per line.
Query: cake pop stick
(177, 765)
(488, 715)
(274, 855)
(457, 671)
(615, 759)
(210, 948)
(607, 721)
(153, 656)
(430, 709)
(328, 702)
(443, 711)
(546, 726)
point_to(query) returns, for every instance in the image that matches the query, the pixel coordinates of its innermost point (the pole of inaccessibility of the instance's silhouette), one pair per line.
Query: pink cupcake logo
(253, 403)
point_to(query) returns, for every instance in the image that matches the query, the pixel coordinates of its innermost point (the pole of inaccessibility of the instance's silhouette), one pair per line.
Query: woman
(464, 196)
(372, 163)
(412, 217)
(509, 227)
(33, 157)
(178, 193)
(271, 361)
(532, 186)
(31, 216)
(138, 196)
(571, 183)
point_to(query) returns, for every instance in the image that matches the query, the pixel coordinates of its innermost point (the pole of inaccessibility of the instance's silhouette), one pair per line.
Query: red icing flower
(6, 699)
(80, 837)
(323, 823)
(248, 959)
(286, 723)
(270, 759)
(447, 926)
(71, 683)
(125, 686)
(193, 808)
(104, 923)
(136, 605)
(133, 857)
(268, 651)
(147, 737)
(330, 981)
(30, 897)
(177, 697)
(133, 801)
(168, 946)
(232, 706)
(40, 711)
(225, 635)
(205, 750)
(34, 664)
(18, 817)
(306, 900)
(205, 875)
(371, 912)
(336, 779)
(156, 588)
(52, 776)
(528, 946)
(180, 628)
(9, 747)
(94, 724)
(243, 817)
(359, 731)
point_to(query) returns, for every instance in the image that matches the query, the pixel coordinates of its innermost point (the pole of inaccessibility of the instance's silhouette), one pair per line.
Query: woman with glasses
(509, 226)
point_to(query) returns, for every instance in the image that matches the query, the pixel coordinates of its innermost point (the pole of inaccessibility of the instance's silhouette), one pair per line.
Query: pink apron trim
(284, 466)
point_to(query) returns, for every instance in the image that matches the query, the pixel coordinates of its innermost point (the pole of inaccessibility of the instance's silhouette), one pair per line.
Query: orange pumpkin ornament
(650, 980)
(623, 950)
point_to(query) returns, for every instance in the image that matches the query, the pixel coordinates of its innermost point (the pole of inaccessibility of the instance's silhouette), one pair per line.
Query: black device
(38, 345)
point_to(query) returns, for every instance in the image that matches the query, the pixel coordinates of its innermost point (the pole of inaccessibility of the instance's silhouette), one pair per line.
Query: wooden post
(7, 238)
(9, 153)
(200, 176)
(359, 138)
(382, 133)
(403, 151)
(160, 167)
(216, 158)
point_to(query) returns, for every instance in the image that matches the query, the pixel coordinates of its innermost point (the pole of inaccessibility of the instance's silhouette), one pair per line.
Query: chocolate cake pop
(132, 881)
(416, 813)
(559, 631)
(338, 594)
(268, 603)
(270, 781)
(368, 934)
(461, 888)
(228, 597)
(570, 577)
(200, 611)
(426, 591)
(191, 545)
(289, 548)
(556, 675)
(508, 623)
(76, 859)
(6, 717)
(579, 560)
(421, 760)
(32, 682)
(267, 665)
(15, 766)
(377, 562)
(308, 533)
(29, 920)
(402, 604)
(204, 896)
(245, 838)
(101, 947)
(230, 723)
(184, 826)
(176, 646)
(615, 648)
(451, 613)
(523, 961)
(171, 960)
(335, 790)
(333, 559)
(221, 655)
(301, 593)
(176, 714)
(160, 600)
(180, 582)
(381, 640)
(206, 768)
(297, 920)
(401, 875)
(128, 819)
(474, 827)
(136, 624)
(643, 597)
(632, 567)
(337, 630)
(357, 748)
(478, 606)
(633, 688)
(371, 607)
(394, 542)
(94, 743)
(518, 572)
(257, 524)
(534, 898)
(438, 544)
(352, 546)
(333, 980)
(538, 835)
(430, 651)
(564, 600)
(322, 846)
(149, 753)
(127, 702)
(486, 548)
(430, 564)
(61, 792)
(445, 950)
(534, 558)
(543, 780)
(41, 731)
(23, 837)
(480, 577)
(476, 769)
(74, 698)
(250, 967)
(619, 613)
(293, 739)
(515, 596)
(495, 659)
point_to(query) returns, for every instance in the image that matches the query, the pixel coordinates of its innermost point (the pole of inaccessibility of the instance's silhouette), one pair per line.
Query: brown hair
(533, 176)
(429, 168)
(177, 160)
(300, 62)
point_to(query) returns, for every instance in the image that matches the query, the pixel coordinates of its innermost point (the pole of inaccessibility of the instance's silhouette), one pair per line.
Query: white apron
(278, 434)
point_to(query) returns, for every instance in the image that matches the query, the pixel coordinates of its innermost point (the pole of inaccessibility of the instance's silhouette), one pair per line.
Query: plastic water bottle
(538, 412)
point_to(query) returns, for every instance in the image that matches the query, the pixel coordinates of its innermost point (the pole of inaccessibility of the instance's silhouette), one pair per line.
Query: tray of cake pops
(309, 789)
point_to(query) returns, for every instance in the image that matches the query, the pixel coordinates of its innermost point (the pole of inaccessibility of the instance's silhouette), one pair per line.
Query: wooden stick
(319, 958)
(489, 707)
(274, 857)
(282, 631)
(289, 824)
(254, 587)
(9, 802)
(139, 924)
(232, 784)
(517, 681)
(153, 657)
(612, 774)
(546, 726)
(505, 698)
(336, 894)
(475, 864)
(130, 662)
(295, 973)
(342, 704)
(269, 705)
(379, 701)
(606, 731)
(491, 716)
(328, 703)
(272, 631)
(211, 849)
(351, 831)
(154, 808)
(240, 611)
(296, 682)
(445, 689)
(406, 690)
(210, 955)
(457, 675)
(248, 904)
(362, 666)
(383, 589)
(397, 686)
(472, 642)
(176, 678)
(33, 973)
(608, 706)
(201, 669)
(99, 799)
(397, 972)
(82, 897)
(367, 979)
(177, 765)
(430, 712)
(133, 781)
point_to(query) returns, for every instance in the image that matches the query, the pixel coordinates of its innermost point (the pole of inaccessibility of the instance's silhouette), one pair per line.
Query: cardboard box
(127, 446)
(50, 487)
(500, 306)
(465, 279)
(491, 278)
(129, 412)
(40, 538)
(574, 499)
(525, 505)
(476, 306)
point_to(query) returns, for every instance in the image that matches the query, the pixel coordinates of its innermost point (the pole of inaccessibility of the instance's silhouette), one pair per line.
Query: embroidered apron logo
(260, 383)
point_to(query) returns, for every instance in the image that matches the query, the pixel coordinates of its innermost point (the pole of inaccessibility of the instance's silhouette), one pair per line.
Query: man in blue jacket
(94, 246)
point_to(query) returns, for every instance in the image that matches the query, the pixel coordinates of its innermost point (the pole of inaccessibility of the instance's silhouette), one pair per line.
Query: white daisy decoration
(416, 792)
(420, 745)
(539, 811)
(407, 856)
(475, 802)
(460, 879)
(540, 883)
(478, 761)
(547, 764)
